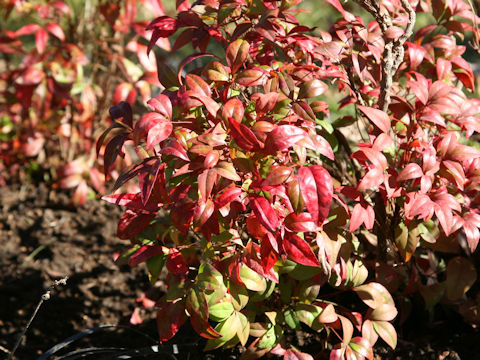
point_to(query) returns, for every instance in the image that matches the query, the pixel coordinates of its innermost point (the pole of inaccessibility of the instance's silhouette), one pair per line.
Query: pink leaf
(155, 7)
(56, 30)
(411, 171)
(336, 4)
(293, 354)
(41, 37)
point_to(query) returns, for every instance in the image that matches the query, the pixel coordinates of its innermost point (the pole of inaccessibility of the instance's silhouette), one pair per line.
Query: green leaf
(210, 280)
(243, 331)
(307, 313)
(291, 319)
(265, 294)
(220, 311)
(123, 259)
(196, 302)
(308, 291)
(228, 329)
(387, 332)
(406, 239)
(268, 339)
(239, 296)
(252, 280)
(155, 265)
(303, 272)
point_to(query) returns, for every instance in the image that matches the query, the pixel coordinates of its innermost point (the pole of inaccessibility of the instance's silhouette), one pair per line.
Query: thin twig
(45, 297)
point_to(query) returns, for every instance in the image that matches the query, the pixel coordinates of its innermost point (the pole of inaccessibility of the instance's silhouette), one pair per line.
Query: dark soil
(43, 239)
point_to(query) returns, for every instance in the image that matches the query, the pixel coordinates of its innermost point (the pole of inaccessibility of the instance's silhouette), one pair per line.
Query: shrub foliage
(267, 209)
(61, 66)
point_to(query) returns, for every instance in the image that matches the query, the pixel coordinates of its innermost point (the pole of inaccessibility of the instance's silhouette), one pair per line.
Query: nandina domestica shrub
(267, 210)
(58, 71)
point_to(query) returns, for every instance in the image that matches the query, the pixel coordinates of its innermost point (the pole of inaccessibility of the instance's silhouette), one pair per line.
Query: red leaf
(162, 27)
(144, 253)
(161, 104)
(170, 318)
(420, 88)
(229, 195)
(268, 255)
(27, 30)
(393, 32)
(416, 54)
(463, 71)
(265, 102)
(283, 137)
(265, 213)
(236, 54)
(278, 175)
(156, 128)
(300, 223)
(174, 148)
(112, 150)
(255, 228)
(133, 223)
(202, 327)
(378, 117)
(362, 214)
(299, 250)
(233, 108)
(243, 136)
(253, 261)
(316, 186)
(188, 60)
(304, 111)
(176, 263)
(131, 201)
(311, 89)
(182, 216)
(203, 211)
(210, 104)
(197, 85)
(122, 111)
(471, 227)
(411, 171)
(251, 77)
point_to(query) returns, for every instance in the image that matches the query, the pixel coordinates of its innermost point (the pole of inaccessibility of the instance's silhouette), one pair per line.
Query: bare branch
(393, 52)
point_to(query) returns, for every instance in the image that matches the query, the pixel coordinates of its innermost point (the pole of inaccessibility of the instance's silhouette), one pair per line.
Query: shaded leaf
(461, 275)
